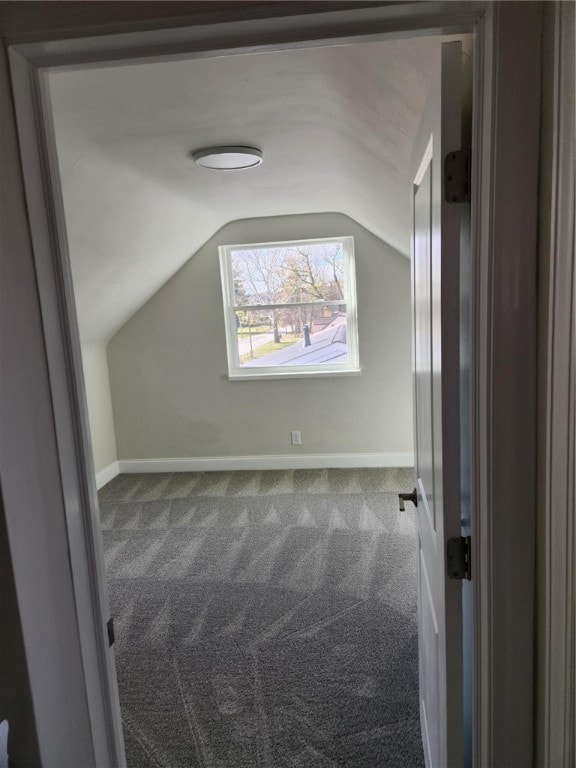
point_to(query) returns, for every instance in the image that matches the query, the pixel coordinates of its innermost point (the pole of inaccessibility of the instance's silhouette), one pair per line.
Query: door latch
(402, 497)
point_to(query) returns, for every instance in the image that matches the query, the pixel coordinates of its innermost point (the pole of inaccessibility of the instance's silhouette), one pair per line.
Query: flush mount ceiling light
(228, 158)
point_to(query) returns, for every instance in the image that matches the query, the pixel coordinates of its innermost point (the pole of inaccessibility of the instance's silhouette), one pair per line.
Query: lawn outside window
(290, 308)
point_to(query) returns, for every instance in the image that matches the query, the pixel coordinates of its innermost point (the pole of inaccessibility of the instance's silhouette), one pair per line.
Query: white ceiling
(335, 125)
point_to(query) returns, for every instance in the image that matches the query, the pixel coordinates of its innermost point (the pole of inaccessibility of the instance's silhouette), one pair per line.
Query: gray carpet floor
(264, 619)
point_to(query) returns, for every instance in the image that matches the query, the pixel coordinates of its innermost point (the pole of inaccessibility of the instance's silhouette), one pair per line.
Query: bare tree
(290, 275)
(263, 279)
(332, 256)
(316, 276)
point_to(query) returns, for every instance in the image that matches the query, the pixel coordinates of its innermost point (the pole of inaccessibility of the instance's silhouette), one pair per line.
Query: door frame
(503, 325)
(556, 552)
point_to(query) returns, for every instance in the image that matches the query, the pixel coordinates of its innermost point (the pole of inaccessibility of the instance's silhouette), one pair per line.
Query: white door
(436, 372)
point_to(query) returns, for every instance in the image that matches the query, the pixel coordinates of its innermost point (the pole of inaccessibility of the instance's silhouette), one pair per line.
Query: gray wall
(170, 393)
(99, 401)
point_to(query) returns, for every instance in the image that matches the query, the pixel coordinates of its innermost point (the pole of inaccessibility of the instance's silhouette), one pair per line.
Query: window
(290, 308)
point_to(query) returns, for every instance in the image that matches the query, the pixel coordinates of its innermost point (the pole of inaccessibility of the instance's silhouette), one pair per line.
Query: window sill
(291, 375)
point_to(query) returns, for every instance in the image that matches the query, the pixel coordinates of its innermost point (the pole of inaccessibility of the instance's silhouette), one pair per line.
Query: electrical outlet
(296, 437)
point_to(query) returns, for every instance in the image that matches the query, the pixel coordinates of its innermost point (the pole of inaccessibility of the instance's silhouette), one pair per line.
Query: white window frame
(236, 370)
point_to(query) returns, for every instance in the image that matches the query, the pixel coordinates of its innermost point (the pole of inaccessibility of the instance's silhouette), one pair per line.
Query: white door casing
(504, 216)
(436, 370)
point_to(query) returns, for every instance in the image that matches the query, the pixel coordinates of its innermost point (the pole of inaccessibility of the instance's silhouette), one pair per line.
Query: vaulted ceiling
(335, 125)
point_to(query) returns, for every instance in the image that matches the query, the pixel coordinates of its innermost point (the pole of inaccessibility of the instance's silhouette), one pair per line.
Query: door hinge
(458, 558)
(457, 176)
(110, 628)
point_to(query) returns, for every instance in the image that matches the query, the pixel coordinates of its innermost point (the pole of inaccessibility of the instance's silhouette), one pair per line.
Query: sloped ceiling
(335, 125)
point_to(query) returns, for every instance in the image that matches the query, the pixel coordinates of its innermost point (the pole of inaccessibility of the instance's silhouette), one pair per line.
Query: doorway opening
(495, 366)
(269, 613)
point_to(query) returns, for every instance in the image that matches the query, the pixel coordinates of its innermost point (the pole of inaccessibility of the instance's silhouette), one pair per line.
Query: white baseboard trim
(107, 474)
(302, 461)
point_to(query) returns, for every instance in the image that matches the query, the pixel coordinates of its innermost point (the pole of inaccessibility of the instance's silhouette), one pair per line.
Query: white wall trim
(103, 743)
(300, 461)
(107, 474)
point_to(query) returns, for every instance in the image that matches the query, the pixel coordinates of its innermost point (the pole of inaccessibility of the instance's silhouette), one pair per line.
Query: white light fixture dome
(228, 158)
